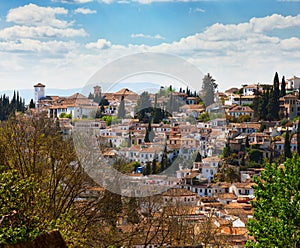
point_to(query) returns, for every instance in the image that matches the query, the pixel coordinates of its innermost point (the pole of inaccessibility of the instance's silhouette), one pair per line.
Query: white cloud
(100, 44)
(33, 15)
(191, 10)
(30, 45)
(39, 32)
(84, 11)
(274, 21)
(232, 53)
(146, 36)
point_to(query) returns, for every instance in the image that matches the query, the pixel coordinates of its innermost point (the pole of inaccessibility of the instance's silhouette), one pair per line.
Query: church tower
(39, 92)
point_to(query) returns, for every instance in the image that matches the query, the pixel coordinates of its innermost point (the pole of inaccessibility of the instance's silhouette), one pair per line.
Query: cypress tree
(164, 160)
(121, 111)
(148, 169)
(282, 90)
(154, 168)
(31, 104)
(287, 146)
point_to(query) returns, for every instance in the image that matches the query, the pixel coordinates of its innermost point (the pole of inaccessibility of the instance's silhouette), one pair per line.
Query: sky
(63, 43)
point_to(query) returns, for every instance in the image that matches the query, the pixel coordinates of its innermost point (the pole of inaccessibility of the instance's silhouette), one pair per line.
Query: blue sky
(62, 43)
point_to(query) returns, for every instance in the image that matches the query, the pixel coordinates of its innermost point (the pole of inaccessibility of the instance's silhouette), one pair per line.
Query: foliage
(255, 155)
(244, 118)
(287, 146)
(142, 107)
(65, 115)
(204, 117)
(149, 136)
(209, 87)
(273, 104)
(111, 205)
(282, 90)
(298, 138)
(8, 107)
(48, 178)
(262, 104)
(31, 104)
(18, 205)
(276, 221)
(121, 110)
(107, 119)
(262, 127)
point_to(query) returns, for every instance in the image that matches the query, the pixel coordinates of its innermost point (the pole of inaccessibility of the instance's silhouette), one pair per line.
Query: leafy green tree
(45, 163)
(255, 155)
(107, 119)
(204, 117)
(226, 150)
(231, 174)
(20, 200)
(209, 87)
(287, 146)
(298, 138)
(276, 221)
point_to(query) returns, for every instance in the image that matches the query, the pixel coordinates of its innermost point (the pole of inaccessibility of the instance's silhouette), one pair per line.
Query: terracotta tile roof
(227, 196)
(178, 192)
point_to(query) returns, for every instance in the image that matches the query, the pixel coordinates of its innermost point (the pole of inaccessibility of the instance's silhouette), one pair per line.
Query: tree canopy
(209, 87)
(276, 221)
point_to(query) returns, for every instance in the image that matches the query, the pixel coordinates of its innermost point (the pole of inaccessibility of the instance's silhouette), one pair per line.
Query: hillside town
(211, 143)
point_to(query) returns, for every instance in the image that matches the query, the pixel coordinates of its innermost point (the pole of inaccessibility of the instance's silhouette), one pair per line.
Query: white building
(39, 92)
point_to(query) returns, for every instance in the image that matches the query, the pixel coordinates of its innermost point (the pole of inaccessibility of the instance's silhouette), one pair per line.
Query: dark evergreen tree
(31, 104)
(164, 160)
(282, 90)
(147, 138)
(247, 145)
(121, 110)
(91, 96)
(273, 106)
(198, 157)
(8, 107)
(148, 169)
(154, 167)
(208, 90)
(287, 146)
